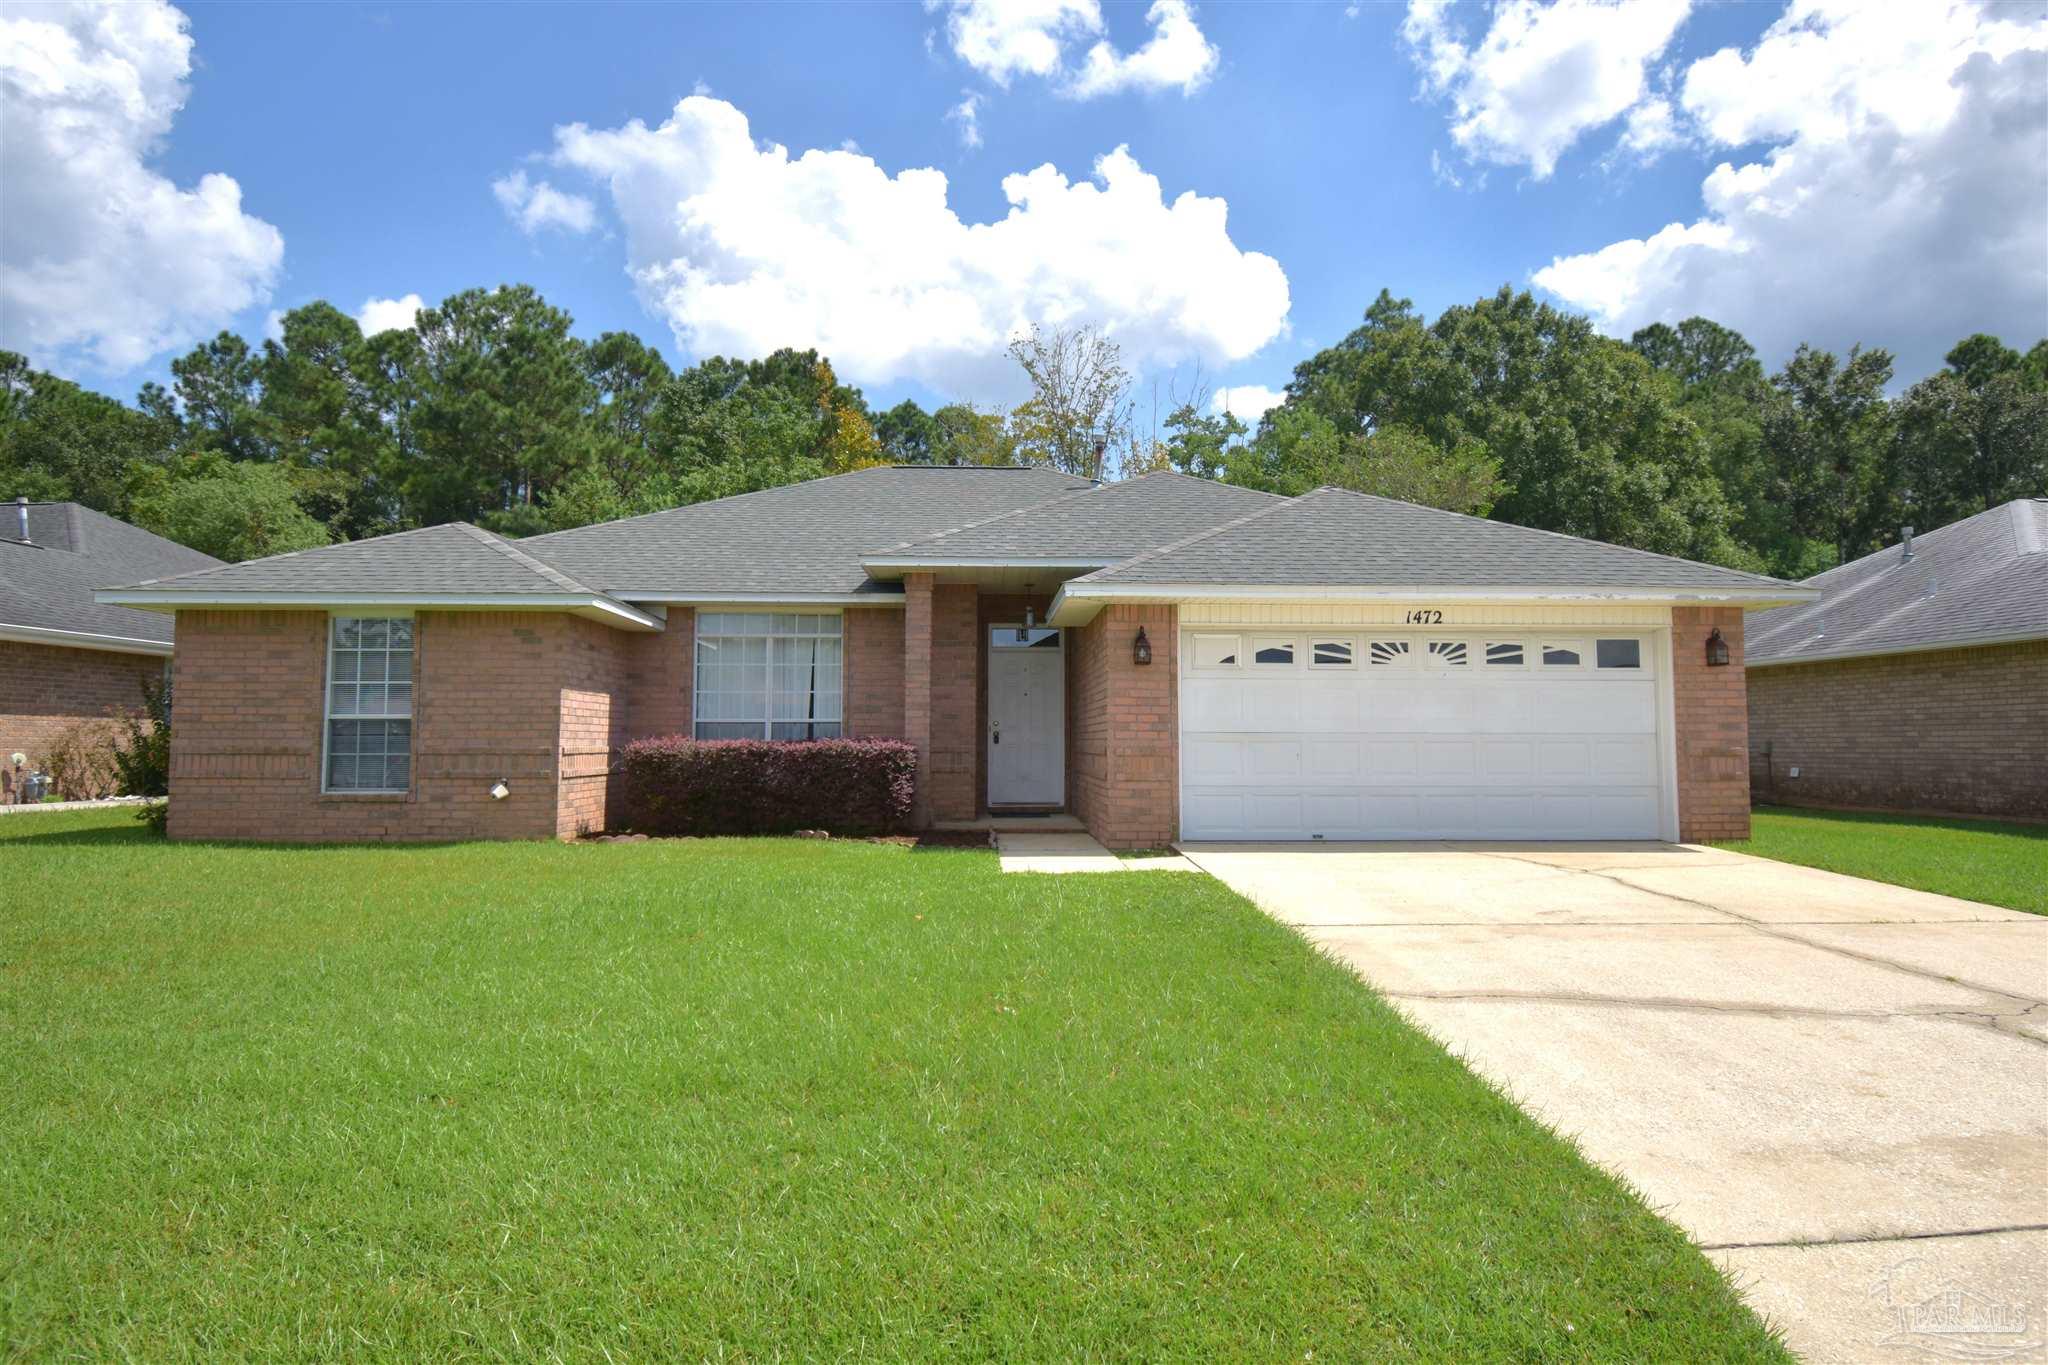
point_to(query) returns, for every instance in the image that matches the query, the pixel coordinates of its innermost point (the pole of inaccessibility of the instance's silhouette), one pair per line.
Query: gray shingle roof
(801, 538)
(455, 560)
(1100, 525)
(1336, 538)
(47, 583)
(1977, 580)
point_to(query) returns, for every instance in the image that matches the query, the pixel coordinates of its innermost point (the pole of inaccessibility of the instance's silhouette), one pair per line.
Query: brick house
(1167, 658)
(65, 658)
(1919, 679)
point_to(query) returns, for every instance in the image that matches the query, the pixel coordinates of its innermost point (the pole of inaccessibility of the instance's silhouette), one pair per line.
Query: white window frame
(1527, 644)
(328, 715)
(1316, 642)
(1292, 643)
(1404, 659)
(1236, 651)
(768, 722)
(1644, 654)
(1580, 646)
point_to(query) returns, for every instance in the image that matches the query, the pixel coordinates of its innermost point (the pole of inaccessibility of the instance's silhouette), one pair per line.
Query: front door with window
(1027, 717)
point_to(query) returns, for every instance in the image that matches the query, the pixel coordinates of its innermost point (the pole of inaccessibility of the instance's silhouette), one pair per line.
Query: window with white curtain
(369, 704)
(768, 675)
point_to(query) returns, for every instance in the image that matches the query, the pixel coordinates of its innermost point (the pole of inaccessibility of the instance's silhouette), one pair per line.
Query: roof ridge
(523, 559)
(782, 488)
(1074, 495)
(1104, 575)
(288, 554)
(1560, 535)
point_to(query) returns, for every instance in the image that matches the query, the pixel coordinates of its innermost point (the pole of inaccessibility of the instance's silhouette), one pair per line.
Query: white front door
(1027, 718)
(1365, 732)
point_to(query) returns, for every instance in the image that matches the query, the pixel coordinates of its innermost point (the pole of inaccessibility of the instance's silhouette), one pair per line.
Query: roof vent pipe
(1906, 538)
(21, 509)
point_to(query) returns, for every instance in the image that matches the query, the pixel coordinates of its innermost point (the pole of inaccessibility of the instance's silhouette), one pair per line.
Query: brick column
(917, 685)
(1711, 709)
(1124, 771)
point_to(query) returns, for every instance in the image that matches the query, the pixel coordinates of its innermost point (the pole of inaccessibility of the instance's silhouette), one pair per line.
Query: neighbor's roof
(803, 539)
(47, 581)
(1983, 580)
(454, 564)
(1334, 538)
(1100, 525)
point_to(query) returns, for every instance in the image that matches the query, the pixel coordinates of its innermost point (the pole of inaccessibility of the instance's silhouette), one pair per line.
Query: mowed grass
(1978, 860)
(756, 1100)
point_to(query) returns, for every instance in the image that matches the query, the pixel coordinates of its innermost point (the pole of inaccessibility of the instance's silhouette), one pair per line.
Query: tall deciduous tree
(1080, 405)
(1827, 444)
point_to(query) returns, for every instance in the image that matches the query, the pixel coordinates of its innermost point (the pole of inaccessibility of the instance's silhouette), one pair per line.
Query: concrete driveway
(1839, 1088)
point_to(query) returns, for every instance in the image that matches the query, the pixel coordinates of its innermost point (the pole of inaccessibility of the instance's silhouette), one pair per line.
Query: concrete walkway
(108, 803)
(1838, 1088)
(1074, 852)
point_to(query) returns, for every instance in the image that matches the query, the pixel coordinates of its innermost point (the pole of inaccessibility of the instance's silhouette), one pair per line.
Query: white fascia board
(1077, 603)
(1982, 642)
(84, 639)
(597, 608)
(723, 598)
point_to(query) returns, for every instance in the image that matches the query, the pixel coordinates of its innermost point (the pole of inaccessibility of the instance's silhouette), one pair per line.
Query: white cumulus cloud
(1247, 402)
(1004, 39)
(1543, 75)
(965, 116)
(388, 315)
(102, 257)
(537, 205)
(743, 248)
(1900, 202)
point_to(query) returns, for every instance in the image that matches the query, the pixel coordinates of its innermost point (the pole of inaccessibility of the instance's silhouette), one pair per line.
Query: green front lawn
(1978, 860)
(752, 1099)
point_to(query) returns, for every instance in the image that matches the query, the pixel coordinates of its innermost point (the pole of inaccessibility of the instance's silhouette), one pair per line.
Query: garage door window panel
(1448, 653)
(1505, 654)
(1331, 654)
(1618, 653)
(1272, 651)
(1216, 651)
(1388, 653)
(1563, 653)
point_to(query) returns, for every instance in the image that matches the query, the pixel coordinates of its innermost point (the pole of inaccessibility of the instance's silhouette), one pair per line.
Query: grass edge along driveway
(1992, 861)
(752, 1099)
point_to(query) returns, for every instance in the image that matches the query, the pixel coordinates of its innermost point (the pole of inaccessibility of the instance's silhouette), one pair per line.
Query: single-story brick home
(65, 658)
(1166, 657)
(1919, 679)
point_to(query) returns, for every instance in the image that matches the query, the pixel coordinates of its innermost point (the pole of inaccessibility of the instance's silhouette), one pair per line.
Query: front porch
(992, 744)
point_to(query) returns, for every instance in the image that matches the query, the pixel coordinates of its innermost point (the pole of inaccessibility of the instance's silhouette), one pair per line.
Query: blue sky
(1886, 173)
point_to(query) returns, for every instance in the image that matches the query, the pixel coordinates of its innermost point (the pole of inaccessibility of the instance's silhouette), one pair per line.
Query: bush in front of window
(676, 785)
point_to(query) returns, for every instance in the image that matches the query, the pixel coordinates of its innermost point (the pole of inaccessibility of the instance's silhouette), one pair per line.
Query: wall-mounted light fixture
(1141, 648)
(499, 791)
(1717, 649)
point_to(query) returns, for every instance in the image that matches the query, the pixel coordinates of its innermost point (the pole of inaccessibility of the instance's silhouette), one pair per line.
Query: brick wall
(1712, 719)
(490, 692)
(1961, 730)
(659, 673)
(597, 664)
(941, 679)
(45, 690)
(874, 673)
(1123, 774)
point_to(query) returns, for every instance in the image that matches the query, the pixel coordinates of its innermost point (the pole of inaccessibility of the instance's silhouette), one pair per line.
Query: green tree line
(490, 410)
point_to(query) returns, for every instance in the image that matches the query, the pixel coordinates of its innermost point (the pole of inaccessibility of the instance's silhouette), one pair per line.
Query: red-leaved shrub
(678, 785)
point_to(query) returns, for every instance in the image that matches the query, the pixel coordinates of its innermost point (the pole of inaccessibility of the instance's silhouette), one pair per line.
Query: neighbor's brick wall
(487, 704)
(874, 672)
(45, 689)
(1123, 752)
(1712, 720)
(1963, 730)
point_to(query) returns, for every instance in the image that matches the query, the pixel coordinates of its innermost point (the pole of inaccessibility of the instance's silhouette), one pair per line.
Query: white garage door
(1358, 733)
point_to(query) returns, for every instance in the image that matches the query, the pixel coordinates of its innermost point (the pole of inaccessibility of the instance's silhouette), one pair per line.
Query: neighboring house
(65, 658)
(1918, 681)
(1166, 658)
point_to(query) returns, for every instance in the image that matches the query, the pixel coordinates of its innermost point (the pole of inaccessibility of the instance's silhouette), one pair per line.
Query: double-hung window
(369, 704)
(768, 675)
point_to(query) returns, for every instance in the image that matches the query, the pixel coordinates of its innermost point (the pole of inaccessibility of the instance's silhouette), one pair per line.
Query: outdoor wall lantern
(1717, 649)
(499, 791)
(1141, 648)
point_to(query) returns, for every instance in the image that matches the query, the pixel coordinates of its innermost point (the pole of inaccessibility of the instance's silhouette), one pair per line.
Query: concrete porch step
(1057, 823)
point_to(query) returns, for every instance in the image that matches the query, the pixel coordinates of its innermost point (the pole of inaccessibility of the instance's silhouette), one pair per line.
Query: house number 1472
(1425, 617)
